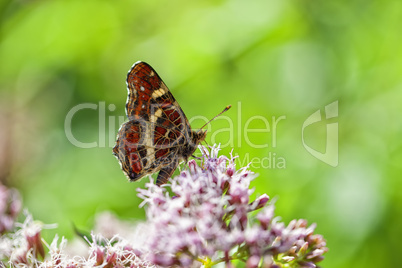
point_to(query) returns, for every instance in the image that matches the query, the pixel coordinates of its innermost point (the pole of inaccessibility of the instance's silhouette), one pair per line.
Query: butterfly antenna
(224, 110)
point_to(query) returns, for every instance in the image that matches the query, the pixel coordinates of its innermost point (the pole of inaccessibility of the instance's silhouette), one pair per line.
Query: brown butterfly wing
(150, 141)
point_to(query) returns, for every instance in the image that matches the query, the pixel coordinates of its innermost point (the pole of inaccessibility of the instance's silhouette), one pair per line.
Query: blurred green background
(266, 58)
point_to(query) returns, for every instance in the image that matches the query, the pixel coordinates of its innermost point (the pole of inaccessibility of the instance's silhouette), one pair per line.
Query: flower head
(207, 218)
(10, 207)
(25, 244)
(204, 217)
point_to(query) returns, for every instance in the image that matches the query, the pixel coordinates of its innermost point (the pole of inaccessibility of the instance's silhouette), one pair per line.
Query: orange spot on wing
(160, 131)
(161, 152)
(135, 163)
(168, 112)
(133, 137)
(173, 116)
(144, 96)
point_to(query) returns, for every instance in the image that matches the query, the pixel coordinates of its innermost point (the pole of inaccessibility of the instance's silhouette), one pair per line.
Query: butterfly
(157, 136)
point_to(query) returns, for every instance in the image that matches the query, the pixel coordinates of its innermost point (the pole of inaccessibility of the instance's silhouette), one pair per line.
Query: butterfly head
(199, 136)
(196, 137)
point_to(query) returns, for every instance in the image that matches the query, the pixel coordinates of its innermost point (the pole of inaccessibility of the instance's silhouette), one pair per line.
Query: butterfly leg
(165, 173)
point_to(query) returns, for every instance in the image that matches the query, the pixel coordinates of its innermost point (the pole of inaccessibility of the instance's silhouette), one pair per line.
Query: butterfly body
(157, 136)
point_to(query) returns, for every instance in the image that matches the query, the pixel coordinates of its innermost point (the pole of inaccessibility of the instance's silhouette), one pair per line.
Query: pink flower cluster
(205, 216)
(24, 244)
(25, 248)
(10, 207)
(208, 219)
